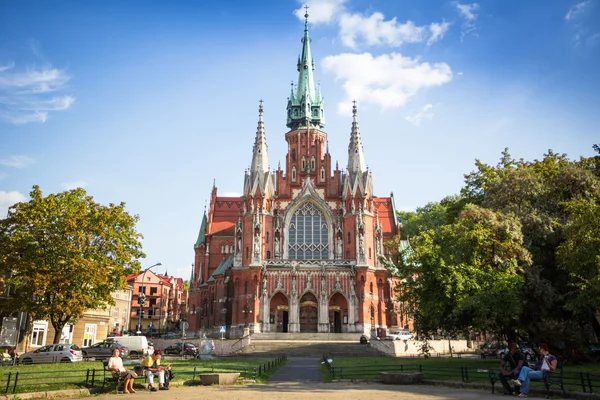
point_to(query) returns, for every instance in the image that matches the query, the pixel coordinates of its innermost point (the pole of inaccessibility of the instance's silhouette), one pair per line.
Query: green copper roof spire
(306, 104)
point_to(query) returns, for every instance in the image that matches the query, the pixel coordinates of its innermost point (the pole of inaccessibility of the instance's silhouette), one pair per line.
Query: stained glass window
(308, 234)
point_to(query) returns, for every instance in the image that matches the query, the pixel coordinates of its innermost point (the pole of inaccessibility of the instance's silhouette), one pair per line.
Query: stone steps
(351, 337)
(309, 348)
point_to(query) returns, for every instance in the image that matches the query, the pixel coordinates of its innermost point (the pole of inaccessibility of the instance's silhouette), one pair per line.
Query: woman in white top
(115, 364)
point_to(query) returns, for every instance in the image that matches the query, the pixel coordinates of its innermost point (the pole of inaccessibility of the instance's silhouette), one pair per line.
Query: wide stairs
(308, 345)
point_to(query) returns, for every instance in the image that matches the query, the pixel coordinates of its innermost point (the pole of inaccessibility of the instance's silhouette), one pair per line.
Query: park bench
(113, 378)
(554, 379)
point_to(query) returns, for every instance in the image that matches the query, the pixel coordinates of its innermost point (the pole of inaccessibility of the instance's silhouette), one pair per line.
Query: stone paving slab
(312, 391)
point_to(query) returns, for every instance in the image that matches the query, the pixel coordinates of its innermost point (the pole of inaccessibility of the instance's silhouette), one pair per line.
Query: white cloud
(469, 14)
(7, 199)
(26, 94)
(468, 10)
(53, 104)
(374, 30)
(437, 31)
(74, 185)
(20, 117)
(320, 11)
(424, 114)
(16, 161)
(583, 23)
(576, 10)
(388, 80)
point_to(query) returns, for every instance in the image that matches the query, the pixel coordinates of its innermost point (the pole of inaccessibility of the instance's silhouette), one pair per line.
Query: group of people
(513, 367)
(150, 367)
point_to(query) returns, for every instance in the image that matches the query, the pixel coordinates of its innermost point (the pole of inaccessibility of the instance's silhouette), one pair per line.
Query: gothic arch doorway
(338, 313)
(309, 313)
(279, 312)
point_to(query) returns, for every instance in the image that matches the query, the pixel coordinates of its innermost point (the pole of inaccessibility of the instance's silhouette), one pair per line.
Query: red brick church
(299, 250)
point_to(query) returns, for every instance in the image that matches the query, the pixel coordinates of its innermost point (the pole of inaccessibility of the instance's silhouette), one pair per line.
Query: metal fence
(573, 381)
(46, 380)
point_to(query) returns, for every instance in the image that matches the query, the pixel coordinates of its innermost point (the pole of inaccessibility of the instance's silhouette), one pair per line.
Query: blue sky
(148, 102)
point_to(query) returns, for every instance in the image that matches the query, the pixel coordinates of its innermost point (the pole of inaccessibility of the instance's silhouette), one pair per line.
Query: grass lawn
(42, 377)
(452, 369)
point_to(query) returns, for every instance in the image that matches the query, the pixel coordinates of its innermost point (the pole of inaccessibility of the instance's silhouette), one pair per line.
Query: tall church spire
(356, 156)
(260, 158)
(306, 104)
(258, 176)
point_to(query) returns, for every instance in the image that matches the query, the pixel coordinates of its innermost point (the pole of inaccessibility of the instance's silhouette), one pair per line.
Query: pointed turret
(260, 159)
(201, 235)
(357, 178)
(356, 156)
(258, 176)
(307, 103)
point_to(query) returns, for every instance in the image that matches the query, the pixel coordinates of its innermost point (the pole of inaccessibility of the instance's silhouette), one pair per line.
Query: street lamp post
(142, 297)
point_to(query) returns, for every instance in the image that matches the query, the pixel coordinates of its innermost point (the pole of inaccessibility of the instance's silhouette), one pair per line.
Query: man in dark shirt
(510, 366)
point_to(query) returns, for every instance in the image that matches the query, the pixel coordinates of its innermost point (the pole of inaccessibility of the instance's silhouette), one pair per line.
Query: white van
(138, 345)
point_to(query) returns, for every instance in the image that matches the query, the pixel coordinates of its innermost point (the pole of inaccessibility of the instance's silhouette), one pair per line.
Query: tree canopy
(66, 254)
(516, 253)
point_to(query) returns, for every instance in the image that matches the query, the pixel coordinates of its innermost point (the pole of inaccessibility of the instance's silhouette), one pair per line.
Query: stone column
(294, 315)
(265, 313)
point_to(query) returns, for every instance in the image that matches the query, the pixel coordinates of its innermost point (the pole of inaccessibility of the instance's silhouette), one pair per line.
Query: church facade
(300, 250)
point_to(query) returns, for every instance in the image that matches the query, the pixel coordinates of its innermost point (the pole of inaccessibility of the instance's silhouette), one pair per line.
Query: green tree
(430, 216)
(538, 194)
(579, 254)
(66, 254)
(466, 273)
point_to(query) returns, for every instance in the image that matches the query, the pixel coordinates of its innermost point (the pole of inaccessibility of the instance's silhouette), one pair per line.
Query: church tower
(299, 251)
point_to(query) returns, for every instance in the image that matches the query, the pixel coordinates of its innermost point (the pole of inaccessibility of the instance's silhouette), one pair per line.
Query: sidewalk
(312, 391)
(298, 369)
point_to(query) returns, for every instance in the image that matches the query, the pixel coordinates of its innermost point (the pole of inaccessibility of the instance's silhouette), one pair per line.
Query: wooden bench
(553, 379)
(111, 377)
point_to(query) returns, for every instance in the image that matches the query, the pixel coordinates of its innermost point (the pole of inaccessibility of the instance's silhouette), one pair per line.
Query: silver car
(53, 353)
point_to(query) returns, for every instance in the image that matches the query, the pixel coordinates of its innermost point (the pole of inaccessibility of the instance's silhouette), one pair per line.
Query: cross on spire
(306, 11)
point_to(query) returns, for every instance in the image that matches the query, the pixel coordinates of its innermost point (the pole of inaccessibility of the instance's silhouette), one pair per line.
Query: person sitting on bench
(115, 364)
(152, 368)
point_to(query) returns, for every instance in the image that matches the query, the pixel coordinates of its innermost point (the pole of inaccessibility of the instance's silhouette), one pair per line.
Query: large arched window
(308, 234)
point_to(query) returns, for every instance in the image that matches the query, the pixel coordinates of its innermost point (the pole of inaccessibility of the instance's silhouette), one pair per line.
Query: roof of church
(226, 263)
(387, 219)
(225, 213)
(201, 235)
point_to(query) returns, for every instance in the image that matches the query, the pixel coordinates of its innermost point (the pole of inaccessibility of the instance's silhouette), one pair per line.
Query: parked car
(525, 349)
(399, 335)
(491, 349)
(104, 350)
(182, 348)
(53, 353)
(594, 351)
(172, 335)
(138, 345)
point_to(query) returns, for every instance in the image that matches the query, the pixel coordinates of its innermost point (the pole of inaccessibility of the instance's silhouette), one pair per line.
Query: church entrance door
(279, 312)
(309, 313)
(282, 321)
(335, 320)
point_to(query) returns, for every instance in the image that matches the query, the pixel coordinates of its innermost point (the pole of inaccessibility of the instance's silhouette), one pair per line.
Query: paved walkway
(312, 391)
(300, 379)
(298, 369)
